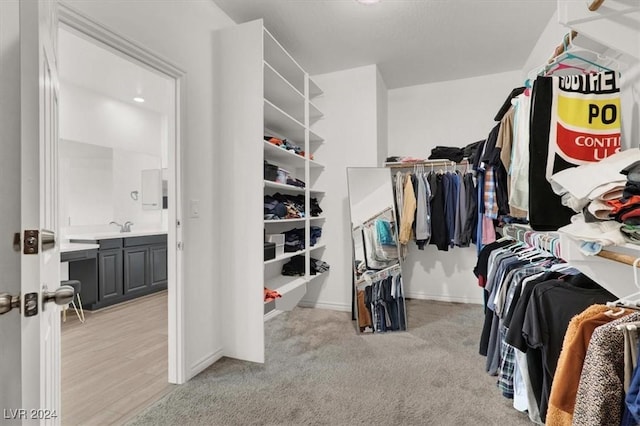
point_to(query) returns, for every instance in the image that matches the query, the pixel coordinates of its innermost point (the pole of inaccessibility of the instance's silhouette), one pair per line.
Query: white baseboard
(199, 366)
(274, 313)
(326, 305)
(456, 299)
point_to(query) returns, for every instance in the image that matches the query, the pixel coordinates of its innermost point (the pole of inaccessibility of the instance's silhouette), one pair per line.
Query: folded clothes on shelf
(283, 206)
(296, 266)
(294, 238)
(270, 295)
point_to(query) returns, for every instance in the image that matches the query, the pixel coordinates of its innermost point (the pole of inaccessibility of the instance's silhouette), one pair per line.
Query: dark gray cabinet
(109, 275)
(126, 268)
(136, 269)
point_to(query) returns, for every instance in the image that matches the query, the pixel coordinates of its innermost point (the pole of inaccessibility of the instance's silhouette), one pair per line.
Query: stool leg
(73, 303)
(80, 305)
(64, 313)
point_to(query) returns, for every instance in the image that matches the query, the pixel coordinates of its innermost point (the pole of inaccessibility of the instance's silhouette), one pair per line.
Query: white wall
(183, 35)
(350, 132)
(93, 118)
(449, 113)
(382, 106)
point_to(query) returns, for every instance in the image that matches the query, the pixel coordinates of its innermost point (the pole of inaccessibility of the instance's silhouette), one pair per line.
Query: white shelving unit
(264, 92)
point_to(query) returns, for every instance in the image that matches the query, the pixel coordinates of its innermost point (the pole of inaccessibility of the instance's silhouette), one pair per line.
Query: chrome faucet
(126, 227)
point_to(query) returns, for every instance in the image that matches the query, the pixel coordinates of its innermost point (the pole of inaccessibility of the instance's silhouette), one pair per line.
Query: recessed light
(368, 1)
(139, 99)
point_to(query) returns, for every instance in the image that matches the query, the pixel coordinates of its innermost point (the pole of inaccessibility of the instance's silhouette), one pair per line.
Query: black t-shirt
(551, 306)
(482, 265)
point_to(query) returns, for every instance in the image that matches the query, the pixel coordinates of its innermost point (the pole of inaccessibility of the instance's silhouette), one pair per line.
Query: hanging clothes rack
(372, 218)
(430, 163)
(379, 275)
(545, 241)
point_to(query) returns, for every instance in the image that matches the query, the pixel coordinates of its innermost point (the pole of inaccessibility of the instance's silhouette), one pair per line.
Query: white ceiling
(412, 41)
(93, 67)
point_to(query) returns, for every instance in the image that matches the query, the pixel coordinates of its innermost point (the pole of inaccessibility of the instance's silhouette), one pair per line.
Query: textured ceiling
(412, 41)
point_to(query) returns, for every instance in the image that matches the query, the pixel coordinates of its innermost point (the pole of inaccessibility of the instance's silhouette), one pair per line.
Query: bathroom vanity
(115, 267)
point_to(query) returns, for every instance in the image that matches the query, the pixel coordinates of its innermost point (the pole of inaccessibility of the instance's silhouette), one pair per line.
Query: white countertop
(95, 236)
(69, 247)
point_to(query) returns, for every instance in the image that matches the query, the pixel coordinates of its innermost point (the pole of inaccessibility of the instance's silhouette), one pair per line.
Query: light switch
(194, 208)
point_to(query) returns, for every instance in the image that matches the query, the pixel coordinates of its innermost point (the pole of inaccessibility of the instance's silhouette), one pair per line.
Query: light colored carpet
(318, 370)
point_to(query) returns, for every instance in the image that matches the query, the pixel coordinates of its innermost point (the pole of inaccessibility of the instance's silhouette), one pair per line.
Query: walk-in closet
(450, 225)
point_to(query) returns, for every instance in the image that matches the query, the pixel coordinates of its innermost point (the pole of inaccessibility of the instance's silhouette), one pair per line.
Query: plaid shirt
(489, 196)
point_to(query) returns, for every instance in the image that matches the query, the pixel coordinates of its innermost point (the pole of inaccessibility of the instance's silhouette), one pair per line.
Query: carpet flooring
(319, 371)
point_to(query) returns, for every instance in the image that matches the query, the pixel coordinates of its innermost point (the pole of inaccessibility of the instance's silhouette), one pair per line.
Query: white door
(39, 181)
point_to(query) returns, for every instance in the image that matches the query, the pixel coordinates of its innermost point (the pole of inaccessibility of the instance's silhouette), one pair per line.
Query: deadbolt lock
(31, 241)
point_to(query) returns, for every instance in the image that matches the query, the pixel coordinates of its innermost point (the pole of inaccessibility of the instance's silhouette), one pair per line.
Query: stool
(76, 292)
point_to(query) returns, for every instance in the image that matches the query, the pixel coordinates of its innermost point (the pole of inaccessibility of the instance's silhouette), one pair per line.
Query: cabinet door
(110, 274)
(136, 271)
(158, 265)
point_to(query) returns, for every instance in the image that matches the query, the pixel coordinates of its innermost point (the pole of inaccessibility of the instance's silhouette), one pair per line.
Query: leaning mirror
(377, 276)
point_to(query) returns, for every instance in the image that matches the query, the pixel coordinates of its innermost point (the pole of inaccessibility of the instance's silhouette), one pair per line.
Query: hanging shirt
(408, 211)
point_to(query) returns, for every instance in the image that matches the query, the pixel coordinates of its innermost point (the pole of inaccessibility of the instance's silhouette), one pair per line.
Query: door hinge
(31, 241)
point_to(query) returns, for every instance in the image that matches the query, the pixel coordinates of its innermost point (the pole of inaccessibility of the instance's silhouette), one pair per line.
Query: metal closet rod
(374, 217)
(434, 163)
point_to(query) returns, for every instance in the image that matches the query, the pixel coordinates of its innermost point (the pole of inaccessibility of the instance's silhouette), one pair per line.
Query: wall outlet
(194, 208)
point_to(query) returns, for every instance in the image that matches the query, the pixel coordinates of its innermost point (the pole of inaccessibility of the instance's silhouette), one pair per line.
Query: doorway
(119, 164)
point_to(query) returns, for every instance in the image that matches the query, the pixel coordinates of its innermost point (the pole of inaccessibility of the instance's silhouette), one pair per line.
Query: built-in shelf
(278, 57)
(314, 164)
(317, 192)
(272, 221)
(284, 257)
(281, 93)
(314, 89)
(284, 187)
(318, 218)
(314, 113)
(279, 121)
(276, 153)
(317, 246)
(313, 277)
(314, 137)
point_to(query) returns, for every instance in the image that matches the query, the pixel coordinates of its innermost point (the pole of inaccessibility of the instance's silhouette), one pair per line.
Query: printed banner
(585, 119)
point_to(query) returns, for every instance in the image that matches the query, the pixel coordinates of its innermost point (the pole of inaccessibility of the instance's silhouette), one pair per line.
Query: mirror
(377, 274)
(99, 184)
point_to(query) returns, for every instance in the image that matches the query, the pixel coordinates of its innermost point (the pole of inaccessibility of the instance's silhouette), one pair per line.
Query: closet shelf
(282, 61)
(314, 112)
(318, 217)
(317, 246)
(317, 192)
(282, 155)
(315, 164)
(315, 138)
(313, 277)
(284, 257)
(281, 93)
(283, 187)
(272, 221)
(314, 89)
(282, 123)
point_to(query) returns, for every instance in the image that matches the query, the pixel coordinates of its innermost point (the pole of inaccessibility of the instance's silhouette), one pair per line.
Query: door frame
(76, 21)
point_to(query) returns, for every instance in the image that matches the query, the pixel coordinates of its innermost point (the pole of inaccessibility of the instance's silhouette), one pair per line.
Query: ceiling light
(367, 1)
(139, 99)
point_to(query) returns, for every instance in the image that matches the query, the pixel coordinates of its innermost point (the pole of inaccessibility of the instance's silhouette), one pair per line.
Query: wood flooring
(115, 364)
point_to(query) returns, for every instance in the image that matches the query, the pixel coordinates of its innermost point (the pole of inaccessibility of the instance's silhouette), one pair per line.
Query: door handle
(48, 239)
(62, 295)
(8, 302)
